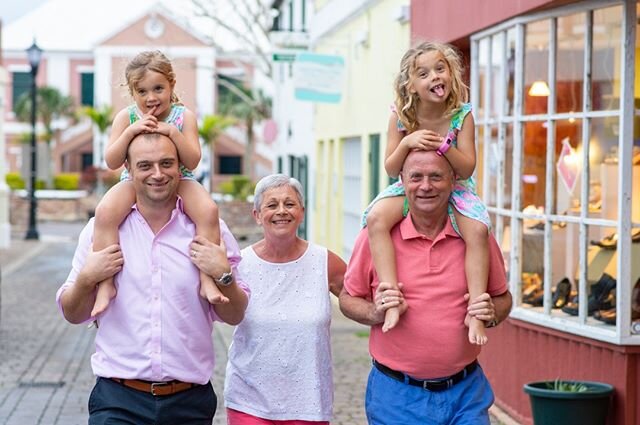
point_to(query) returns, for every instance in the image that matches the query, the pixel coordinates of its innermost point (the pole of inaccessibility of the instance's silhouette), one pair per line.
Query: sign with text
(318, 78)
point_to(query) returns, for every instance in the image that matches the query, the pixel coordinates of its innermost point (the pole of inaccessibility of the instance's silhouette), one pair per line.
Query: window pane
(603, 160)
(21, 85)
(483, 59)
(607, 33)
(496, 74)
(230, 165)
(86, 82)
(511, 69)
(565, 257)
(534, 164)
(570, 63)
(508, 164)
(481, 143)
(536, 67)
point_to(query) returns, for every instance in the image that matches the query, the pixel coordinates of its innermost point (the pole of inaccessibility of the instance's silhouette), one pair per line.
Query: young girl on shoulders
(431, 112)
(151, 82)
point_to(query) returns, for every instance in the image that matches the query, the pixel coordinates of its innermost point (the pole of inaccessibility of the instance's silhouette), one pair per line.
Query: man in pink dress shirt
(154, 353)
(425, 370)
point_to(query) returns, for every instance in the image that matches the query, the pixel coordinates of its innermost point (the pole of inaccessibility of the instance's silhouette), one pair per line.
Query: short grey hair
(273, 181)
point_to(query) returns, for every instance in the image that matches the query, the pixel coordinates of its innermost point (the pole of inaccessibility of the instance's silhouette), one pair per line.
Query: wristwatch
(492, 324)
(224, 280)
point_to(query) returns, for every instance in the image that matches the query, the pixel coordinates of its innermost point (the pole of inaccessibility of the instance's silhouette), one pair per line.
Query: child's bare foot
(210, 291)
(477, 334)
(106, 291)
(391, 318)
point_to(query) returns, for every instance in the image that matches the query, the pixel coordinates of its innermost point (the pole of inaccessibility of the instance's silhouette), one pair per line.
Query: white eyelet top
(279, 364)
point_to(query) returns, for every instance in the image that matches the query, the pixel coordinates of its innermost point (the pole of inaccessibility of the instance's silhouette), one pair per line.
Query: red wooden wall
(519, 352)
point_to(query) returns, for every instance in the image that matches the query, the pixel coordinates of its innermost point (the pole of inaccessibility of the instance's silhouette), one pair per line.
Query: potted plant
(562, 402)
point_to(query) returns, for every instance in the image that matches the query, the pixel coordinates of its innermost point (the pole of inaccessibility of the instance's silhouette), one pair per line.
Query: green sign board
(283, 57)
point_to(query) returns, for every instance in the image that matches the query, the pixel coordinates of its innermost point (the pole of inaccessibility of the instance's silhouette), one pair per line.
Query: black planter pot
(551, 407)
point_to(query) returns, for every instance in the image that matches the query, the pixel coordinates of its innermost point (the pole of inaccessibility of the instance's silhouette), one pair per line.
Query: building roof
(80, 25)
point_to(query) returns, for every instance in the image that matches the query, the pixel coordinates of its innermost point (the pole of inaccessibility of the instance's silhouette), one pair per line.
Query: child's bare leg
(110, 213)
(385, 214)
(204, 213)
(476, 266)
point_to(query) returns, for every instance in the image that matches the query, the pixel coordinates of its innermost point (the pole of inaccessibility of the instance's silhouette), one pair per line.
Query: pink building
(84, 57)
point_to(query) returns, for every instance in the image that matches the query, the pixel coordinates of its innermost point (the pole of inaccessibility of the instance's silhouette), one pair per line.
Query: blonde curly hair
(151, 60)
(406, 103)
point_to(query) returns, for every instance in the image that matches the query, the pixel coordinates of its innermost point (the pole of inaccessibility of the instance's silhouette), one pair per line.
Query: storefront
(553, 87)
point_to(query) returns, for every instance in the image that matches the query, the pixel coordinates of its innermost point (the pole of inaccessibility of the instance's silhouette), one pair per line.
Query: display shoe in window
(602, 297)
(561, 294)
(608, 242)
(635, 301)
(531, 287)
(607, 316)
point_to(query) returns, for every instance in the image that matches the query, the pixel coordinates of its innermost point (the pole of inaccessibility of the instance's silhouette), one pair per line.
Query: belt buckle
(437, 385)
(155, 385)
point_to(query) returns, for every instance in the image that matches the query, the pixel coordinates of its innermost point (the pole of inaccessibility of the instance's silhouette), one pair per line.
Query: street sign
(318, 78)
(283, 57)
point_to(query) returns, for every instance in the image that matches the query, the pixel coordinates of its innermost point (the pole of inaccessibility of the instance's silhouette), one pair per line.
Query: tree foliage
(51, 105)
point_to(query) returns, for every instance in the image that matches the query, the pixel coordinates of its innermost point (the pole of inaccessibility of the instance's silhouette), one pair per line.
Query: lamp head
(35, 54)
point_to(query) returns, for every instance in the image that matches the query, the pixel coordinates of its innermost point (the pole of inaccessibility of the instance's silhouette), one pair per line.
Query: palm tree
(102, 118)
(248, 106)
(211, 128)
(52, 105)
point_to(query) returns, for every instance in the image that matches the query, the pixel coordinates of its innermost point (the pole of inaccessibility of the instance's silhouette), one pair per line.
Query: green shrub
(14, 181)
(66, 181)
(239, 187)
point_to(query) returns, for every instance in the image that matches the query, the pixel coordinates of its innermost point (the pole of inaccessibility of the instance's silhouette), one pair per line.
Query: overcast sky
(10, 10)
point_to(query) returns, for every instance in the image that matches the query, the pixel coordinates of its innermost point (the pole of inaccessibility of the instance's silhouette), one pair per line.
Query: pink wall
(450, 20)
(520, 352)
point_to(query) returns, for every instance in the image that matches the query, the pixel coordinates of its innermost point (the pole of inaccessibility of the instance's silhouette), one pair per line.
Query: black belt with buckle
(439, 384)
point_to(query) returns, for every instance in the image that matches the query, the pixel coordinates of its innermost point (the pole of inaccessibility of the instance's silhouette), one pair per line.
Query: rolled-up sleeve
(79, 258)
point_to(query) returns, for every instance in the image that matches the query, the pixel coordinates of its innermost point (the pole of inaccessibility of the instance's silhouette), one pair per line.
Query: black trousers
(111, 403)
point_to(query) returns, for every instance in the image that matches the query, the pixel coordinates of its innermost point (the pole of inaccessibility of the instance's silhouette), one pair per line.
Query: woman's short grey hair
(273, 181)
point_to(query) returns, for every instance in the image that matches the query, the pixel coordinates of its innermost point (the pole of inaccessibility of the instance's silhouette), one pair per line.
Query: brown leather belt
(156, 388)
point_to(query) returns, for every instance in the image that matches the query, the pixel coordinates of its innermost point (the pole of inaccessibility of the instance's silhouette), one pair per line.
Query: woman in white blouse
(279, 365)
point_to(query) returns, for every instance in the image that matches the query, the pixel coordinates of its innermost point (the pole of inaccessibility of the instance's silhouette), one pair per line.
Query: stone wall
(237, 214)
(47, 210)
(239, 217)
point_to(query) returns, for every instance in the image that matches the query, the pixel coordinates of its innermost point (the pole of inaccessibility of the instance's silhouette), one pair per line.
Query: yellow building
(350, 136)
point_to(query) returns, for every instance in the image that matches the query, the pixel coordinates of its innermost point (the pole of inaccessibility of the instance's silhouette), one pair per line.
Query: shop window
(230, 165)
(86, 88)
(21, 85)
(550, 133)
(536, 67)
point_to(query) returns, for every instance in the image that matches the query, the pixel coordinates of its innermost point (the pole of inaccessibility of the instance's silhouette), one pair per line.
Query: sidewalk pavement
(45, 373)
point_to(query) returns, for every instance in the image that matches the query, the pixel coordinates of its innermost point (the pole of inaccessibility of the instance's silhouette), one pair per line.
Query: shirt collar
(179, 208)
(408, 230)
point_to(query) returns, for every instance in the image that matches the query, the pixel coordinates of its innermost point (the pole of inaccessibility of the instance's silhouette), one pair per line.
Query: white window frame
(581, 325)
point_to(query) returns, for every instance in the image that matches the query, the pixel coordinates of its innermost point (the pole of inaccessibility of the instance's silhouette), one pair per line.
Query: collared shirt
(157, 328)
(430, 340)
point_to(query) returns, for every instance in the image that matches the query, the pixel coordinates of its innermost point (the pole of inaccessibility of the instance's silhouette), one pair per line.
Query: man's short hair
(146, 136)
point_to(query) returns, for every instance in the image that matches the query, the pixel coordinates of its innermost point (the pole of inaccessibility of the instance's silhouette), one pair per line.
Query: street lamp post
(35, 54)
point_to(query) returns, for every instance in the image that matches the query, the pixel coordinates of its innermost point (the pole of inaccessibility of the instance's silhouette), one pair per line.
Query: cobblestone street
(45, 373)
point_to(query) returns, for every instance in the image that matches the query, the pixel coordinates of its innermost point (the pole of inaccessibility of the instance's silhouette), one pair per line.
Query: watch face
(225, 279)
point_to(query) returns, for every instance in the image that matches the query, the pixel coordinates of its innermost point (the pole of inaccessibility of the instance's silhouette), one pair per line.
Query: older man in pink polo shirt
(154, 354)
(425, 370)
